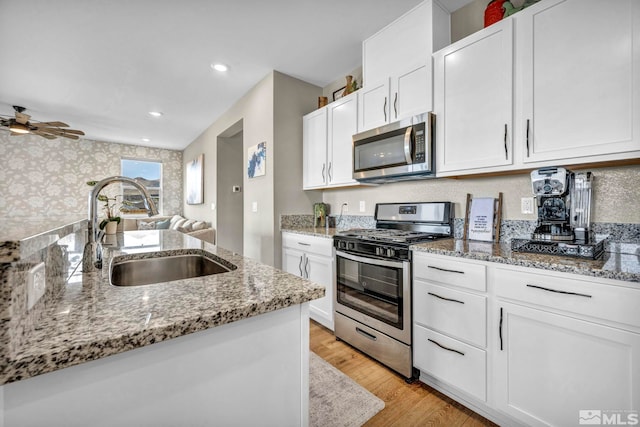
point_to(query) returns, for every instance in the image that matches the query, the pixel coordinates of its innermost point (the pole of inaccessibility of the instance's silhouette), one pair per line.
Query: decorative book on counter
(482, 218)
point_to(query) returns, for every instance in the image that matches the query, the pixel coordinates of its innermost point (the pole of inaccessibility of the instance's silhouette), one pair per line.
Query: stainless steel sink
(164, 268)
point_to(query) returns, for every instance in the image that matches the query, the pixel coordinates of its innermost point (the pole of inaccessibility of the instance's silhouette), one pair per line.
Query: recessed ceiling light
(146, 140)
(219, 67)
(155, 113)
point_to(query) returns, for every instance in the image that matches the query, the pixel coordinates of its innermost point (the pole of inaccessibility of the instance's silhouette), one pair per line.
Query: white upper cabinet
(314, 146)
(557, 83)
(580, 79)
(397, 66)
(327, 148)
(473, 90)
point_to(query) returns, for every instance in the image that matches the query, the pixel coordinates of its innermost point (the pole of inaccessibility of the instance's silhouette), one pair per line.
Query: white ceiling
(101, 66)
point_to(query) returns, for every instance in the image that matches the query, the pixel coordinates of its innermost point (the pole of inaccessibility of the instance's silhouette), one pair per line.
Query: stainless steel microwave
(394, 152)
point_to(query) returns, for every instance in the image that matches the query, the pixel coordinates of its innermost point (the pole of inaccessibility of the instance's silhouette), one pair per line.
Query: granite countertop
(623, 263)
(91, 319)
(327, 233)
(20, 238)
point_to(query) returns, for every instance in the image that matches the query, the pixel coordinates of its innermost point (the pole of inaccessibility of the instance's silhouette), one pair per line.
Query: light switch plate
(362, 206)
(36, 284)
(254, 207)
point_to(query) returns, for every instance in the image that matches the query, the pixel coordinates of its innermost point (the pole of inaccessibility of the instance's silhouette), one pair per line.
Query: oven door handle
(374, 261)
(407, 145)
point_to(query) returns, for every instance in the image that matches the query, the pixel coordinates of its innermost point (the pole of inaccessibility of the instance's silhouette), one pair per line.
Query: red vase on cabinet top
(494, 12)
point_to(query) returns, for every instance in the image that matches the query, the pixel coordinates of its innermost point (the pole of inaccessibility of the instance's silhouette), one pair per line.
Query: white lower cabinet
(550, 367)
(535, 349)
(312, 258)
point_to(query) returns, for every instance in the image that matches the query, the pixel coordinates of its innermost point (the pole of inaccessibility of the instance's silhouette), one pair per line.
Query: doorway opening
(229, 191)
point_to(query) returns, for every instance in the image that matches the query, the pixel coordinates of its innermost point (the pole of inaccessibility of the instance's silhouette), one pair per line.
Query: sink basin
(125, 271)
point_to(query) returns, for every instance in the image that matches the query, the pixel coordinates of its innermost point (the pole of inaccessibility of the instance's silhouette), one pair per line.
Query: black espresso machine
(564, 204)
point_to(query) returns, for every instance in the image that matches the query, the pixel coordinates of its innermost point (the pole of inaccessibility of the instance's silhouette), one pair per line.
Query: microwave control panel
(419, 156)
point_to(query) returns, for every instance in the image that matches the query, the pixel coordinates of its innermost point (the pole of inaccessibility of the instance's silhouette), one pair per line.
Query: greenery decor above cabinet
(557, 83)
(327, 146)
(397, 66)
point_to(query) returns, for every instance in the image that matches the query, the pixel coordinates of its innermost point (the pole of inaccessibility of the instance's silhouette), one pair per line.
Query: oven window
(376, 154)
(371, 289)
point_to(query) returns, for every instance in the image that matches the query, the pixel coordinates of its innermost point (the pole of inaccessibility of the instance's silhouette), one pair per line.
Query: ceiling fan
(20, 125)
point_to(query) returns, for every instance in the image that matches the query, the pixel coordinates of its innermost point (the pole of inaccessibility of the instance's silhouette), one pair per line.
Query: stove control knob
(380, 251)
(342, 245)
(391, 252)
(351, 245)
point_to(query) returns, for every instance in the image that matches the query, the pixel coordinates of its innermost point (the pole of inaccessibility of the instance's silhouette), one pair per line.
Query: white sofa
(199, 229)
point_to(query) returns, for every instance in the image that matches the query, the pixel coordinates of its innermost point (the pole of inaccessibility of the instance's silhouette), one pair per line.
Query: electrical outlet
(526, 205)
(362, 206)
(345, 208)
(254, 207)
(36, 284)
(213, 206)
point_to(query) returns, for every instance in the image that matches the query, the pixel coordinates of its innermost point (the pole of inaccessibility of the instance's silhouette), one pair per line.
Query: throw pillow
(147, 225)
(163, 225)
(199, 225)
(174, 219)
(188, 223)
(178, 223)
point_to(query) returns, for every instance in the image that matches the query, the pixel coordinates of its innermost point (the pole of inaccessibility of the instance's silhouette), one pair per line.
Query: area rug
(337, 400)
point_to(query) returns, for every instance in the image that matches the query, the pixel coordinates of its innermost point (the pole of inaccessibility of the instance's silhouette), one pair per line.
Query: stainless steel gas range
(373, 287)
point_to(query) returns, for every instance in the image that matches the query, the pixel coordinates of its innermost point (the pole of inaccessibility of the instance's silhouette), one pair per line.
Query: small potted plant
(111, 209)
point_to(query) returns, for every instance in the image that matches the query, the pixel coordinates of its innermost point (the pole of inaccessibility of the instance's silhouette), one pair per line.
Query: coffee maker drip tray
(590, 250)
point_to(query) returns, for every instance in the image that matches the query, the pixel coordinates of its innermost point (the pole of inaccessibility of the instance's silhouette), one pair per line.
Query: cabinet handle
(395, 105)
(329, 172)
(500, 329)
(306, 267)
(445, 348)
(559, 292)
(506, 153)
(527, 137)
(300, 266)
(446, 299)
(304, 244)
(444, 269)
(323, 167)
(366, 334)
(384, 108)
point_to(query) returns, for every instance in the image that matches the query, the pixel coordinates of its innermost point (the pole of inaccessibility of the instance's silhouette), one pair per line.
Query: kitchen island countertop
(90, 318)
(623, 263)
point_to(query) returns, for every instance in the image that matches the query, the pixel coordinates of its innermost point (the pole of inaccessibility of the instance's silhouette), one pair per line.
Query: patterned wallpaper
(41, 177)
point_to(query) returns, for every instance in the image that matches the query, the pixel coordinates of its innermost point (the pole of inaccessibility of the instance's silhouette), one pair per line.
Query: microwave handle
(407, 145)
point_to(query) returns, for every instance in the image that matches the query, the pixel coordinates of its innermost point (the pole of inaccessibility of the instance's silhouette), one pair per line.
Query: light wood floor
(405, 404)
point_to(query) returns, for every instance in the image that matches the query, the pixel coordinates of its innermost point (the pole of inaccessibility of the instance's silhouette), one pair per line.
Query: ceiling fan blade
(49, 124)
(22, 118)
(45, 135)
(71, 131)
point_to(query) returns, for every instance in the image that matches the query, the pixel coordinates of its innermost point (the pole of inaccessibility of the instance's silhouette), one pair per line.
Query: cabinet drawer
(309, 244)
(613, 303)
(451, 271)
(450, 360)
(456, 313)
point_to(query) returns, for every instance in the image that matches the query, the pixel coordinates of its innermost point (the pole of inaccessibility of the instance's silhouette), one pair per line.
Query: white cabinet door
(373, 102)
(473, 99)
(580, 78)
(410, 93)
(293, 261)
(551, 366)
(320, 269)
(314, 130)
(343, 124)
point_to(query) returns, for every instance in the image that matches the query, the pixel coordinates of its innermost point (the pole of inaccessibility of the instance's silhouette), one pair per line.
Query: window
(149, 174)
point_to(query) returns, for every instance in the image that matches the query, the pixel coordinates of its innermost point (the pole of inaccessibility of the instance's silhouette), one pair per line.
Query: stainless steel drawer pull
(559, 292)
(500, 329)
(304, 244)
(444, 269)
(366, 334)
(446, 299)
(506, 153)
(445, 348)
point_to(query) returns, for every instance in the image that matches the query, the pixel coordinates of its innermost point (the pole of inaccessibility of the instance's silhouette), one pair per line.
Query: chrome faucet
(92, 257)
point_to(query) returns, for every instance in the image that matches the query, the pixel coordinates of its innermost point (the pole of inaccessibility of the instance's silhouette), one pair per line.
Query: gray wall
(47, 178)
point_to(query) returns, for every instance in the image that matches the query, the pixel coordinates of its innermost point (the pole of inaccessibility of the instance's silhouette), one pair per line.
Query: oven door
(375, 292)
